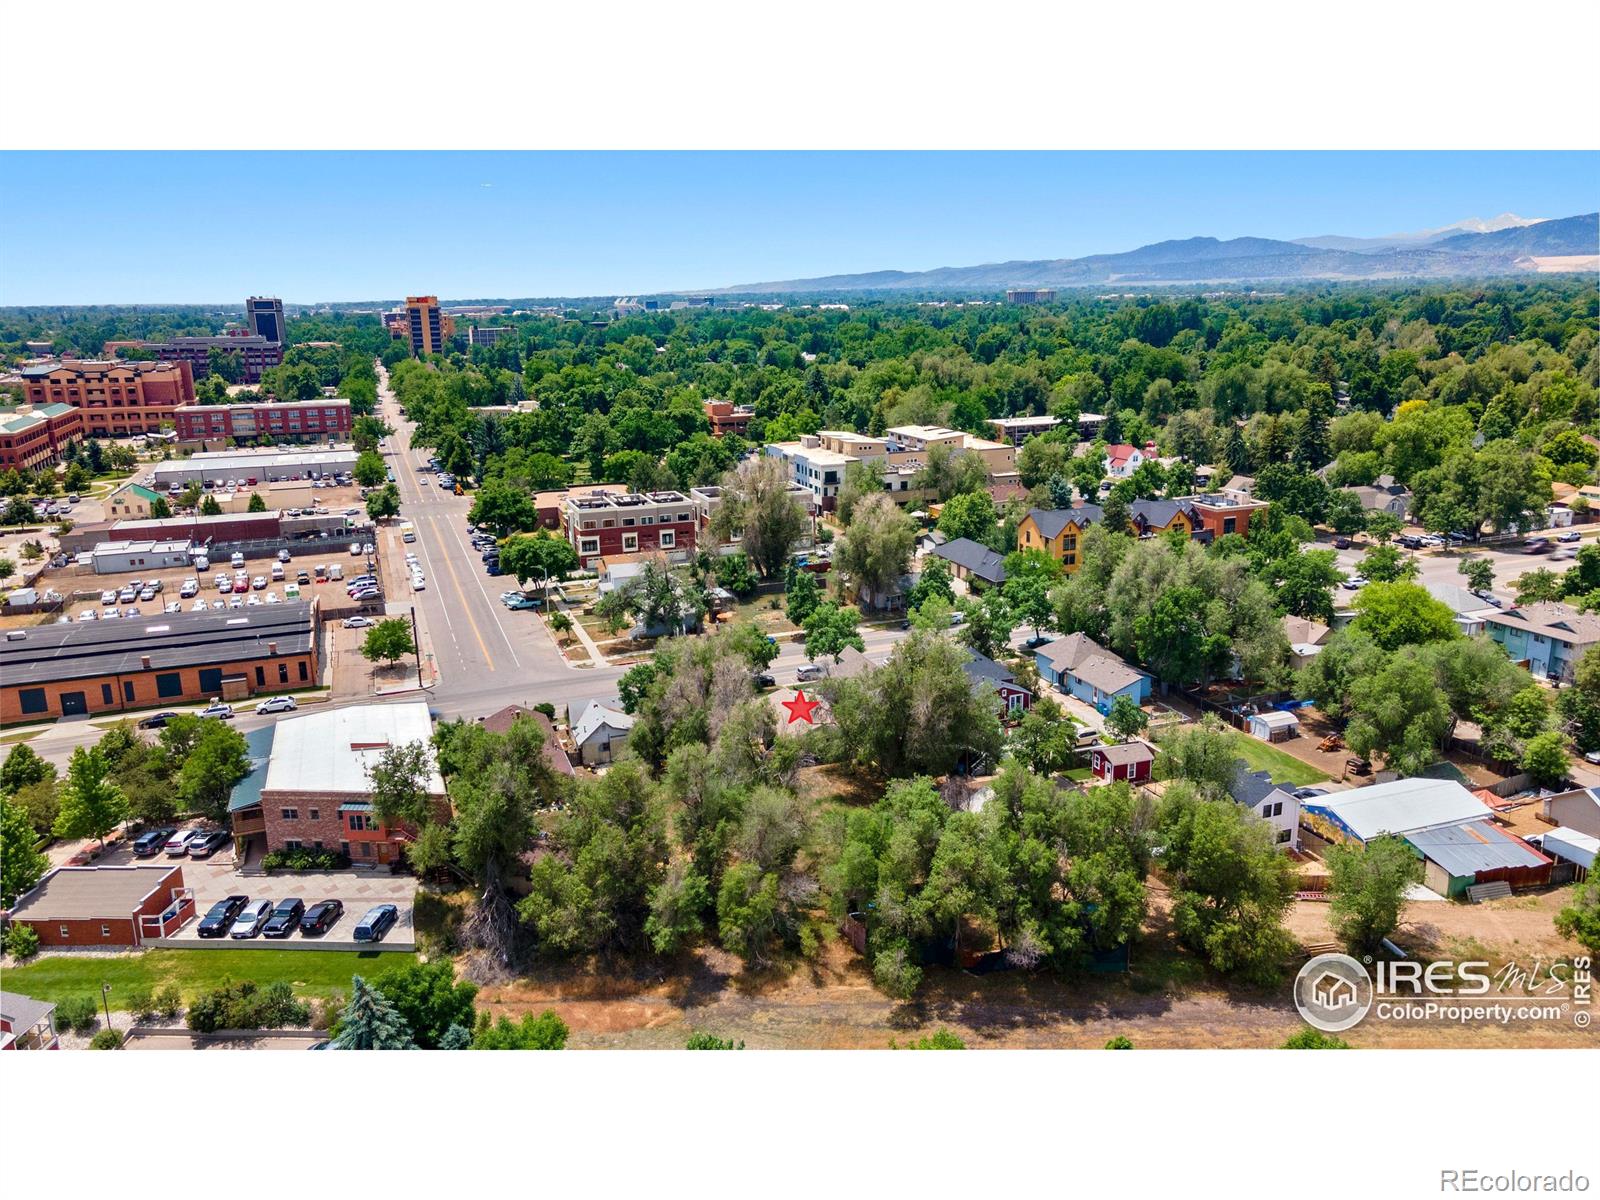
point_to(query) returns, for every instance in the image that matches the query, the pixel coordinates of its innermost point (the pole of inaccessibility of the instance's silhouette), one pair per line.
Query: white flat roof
(1403, 806)
(1572, 845)
(331, 751)
(1276, 719)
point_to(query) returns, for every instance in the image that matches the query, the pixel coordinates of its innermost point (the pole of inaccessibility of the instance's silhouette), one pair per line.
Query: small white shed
(1274, 726)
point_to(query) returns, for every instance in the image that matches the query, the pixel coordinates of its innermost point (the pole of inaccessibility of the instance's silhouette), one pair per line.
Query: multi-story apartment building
(818, 461)
(708, 498)
(256, 354)
(1056, 531)
(291, 421)
(263, 316)
(1017, 430)
(427, 326)
(37, 435)
(487, 335)
(1549, 637)
(114, 399)
(608, 523)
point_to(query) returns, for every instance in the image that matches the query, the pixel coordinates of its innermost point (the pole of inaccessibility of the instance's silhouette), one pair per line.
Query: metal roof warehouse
(55, 653)
(267, 466)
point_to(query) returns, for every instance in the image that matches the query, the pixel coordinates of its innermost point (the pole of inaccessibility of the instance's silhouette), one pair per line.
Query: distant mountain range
(1506, 245)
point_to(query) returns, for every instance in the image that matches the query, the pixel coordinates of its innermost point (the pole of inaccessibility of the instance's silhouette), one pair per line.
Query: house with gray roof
(1549, 637)
(970, 560)
(1277, 805)
(1084, 669)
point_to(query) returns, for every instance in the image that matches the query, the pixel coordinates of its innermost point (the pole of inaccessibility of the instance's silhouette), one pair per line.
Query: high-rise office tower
(264, 315)
(430, 329)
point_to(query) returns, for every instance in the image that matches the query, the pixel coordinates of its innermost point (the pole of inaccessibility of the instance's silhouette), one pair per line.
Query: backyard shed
(1273, 726)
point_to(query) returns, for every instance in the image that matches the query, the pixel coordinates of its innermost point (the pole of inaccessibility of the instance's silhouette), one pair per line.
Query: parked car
(147, 593)
(355, 549)
(208, 845)
(303, 578)
(1571, 535)
(810, 672)
(1489, 598)
(284, 919)
(1354, 583)
(358, 622)
(250, 919)
(1341, 542)
(418, 584)
(283, 555)
(191, 587)
(259, 583)
(156, 720)
(178, 844)
(377, 922)
(108, 597)
(127, 596)
(321, 917)
(218, 709)
(149, 844)
(1409, 540)
(368, 593)
(1358, 766)
(221, 915)
(763, 681)
(519, 603)
(277, 704)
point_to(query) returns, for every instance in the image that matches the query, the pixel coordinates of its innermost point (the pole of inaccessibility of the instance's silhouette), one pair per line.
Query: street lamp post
(105, 999)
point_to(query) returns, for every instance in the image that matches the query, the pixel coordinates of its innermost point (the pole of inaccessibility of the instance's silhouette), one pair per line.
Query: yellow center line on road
(466, 610)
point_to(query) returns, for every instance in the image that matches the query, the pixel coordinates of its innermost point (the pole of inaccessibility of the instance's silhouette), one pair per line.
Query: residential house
(26, 1023)
(1241, 485)
(1274, 804)
(599, 733)
(1088, 672)
(1469, 609)
(1129, 762)
(1014, 698)
(1056, 531)
(1384, 495)
(1122, 460)
(1578, 809)
(554, 755)
(973, 561)
(130, 502)
(1306, 638)
(1548, 637)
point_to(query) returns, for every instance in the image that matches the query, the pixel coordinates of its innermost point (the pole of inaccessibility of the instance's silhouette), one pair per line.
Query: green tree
(876, 548)
(1478, 572)
(370, 470)
(1046, 739)
(21, 863)
(1368, 885)
(1538, 586)
(1403, 614)
(1314, 1039)
(1174, 639)
(388, 641)
(540, 555)
(218, 759)
(504, 508)
(1202, 754)
(1579, 919)
(970, 515)
(759, 508)
(1400, 712)
(1230, 885)
(1386, 564)
(1383, 525)
(829, 629)
(1545, 758)
(939, 1039)
(1030, 576)
(1579, 705)
(709, 1041)
(398, 784)
(429, 999)
(988, 622)
(22, 768)
(209, 506)
(803, 594)
(91, 804)
(544, 1032)
(384, 503)
(257, 504)
(1126, 719)
(371, 1022)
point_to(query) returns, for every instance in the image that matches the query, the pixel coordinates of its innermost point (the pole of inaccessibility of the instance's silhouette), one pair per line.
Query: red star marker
(800, 708)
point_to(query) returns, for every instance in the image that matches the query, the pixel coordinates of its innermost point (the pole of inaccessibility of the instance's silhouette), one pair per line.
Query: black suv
(149, 844)
(321, 917)
(221, 915)
(284, 918)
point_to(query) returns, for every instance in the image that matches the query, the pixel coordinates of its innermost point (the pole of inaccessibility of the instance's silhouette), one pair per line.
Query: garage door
(73, 704)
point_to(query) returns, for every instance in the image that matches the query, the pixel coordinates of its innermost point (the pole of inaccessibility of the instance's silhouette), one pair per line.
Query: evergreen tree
(370, 1022)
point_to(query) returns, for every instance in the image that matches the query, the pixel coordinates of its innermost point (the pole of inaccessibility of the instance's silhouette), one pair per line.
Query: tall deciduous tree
(758, 506)
(829, 630)
(876, 549)
(91, 804)
(1368, 885)
(388, 641)
(21, 863)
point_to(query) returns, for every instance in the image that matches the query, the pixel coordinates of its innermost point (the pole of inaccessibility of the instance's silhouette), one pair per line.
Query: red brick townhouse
(606, 523)
(314, 793)
(106, 906)
(115, 398)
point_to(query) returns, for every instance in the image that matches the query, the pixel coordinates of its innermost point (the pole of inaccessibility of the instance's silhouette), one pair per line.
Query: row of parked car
(242, 917)
(195, 843)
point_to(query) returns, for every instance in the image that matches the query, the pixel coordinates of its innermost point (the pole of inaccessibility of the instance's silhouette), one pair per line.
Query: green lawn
(1285, 768)
(313, 973)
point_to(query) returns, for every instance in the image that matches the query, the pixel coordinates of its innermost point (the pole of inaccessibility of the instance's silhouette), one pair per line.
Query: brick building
(173, 658)
(607, 523)
(426, 326)
(37, 435)
(256, 354)
(106, 906)
(726, 417)
(288, 421)
(315, 793)
(114, 399)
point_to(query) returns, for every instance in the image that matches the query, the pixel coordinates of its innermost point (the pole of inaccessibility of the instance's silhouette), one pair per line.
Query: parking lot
(215, 879)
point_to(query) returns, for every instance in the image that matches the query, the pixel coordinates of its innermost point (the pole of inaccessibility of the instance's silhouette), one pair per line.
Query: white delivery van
(335, 571)
(202, 563)
(236, 559)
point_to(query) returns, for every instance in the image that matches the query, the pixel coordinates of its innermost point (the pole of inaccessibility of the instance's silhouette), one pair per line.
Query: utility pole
(416, 644)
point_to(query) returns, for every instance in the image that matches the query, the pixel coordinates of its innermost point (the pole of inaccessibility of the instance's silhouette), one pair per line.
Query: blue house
(1085, 670)
(1548, 636)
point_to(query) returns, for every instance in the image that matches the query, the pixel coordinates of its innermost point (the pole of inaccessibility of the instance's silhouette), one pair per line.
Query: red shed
(1131, 761)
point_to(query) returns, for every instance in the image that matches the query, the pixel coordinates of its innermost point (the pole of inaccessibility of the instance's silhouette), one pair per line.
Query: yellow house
(1056, 531)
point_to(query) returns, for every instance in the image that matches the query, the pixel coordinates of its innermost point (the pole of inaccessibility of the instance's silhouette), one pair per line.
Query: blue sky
(84, 228)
